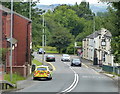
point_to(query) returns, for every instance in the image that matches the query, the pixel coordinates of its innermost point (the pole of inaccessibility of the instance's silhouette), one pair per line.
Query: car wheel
(71, 64)
(80, 65)
(34, 78)
(50, 78)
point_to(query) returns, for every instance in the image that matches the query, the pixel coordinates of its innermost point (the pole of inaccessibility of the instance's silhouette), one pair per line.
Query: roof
(9, 11)
(93, 35)
(108, 34)
(97, 33)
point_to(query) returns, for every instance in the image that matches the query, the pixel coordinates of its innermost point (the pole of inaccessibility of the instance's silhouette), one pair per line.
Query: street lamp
(11, 29)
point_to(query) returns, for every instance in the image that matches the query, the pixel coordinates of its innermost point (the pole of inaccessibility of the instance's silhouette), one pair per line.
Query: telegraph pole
(93, 23)
(11, 40)
(43, 42)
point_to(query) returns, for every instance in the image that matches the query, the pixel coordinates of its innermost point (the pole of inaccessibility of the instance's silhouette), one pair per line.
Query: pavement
(98, 68)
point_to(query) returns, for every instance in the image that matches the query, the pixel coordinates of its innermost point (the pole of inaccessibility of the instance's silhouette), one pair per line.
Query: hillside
(95, 7)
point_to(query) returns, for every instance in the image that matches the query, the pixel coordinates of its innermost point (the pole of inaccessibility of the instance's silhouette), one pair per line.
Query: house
(21, 50)
(97, 47)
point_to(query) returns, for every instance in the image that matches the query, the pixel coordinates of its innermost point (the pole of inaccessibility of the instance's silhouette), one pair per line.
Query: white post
(11, 40)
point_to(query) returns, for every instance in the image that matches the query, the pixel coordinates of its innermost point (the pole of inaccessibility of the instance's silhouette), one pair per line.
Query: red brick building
(21, 56)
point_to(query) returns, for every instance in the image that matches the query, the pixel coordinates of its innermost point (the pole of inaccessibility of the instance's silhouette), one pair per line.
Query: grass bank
(48, 49)
(15, 77)
(36, 62)
(52, 52)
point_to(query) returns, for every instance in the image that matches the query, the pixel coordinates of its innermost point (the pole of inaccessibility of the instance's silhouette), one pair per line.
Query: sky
(49, 2)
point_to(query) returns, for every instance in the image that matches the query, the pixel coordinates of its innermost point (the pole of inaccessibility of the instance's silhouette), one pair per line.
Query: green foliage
(82, 35)
(116, 48)
(79, 44)
(15, 78)
(112, 23)
(52, 52)
(82, 9)
(36, 62)
(70, 49)
(3, 52)
(102, 14)
(61, 39)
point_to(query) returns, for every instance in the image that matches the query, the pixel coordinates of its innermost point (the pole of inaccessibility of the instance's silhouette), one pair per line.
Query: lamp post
(11, 29)
(30, 9)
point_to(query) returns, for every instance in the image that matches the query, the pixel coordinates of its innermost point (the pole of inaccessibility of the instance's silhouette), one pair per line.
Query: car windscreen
(40, 49)
(50, 56)
(41, 68)
(76, 60)
(65, 55)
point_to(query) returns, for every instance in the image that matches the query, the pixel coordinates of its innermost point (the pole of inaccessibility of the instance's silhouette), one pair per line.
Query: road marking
(48, 63)
(88, 67)
(95, 71)
(74, 84)
(51, 65)
(85, 65)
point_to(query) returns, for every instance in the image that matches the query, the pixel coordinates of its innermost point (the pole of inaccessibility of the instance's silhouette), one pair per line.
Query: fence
(111, 69)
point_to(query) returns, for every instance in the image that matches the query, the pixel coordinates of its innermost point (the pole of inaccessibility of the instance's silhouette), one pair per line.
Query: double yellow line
(51, 65)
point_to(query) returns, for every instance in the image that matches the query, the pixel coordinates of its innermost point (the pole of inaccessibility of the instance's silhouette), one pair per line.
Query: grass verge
(113, 73)
(36, 62)
(15, 78)
(54, 52)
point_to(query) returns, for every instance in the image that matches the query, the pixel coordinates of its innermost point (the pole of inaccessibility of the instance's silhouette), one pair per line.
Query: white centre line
(74, 84)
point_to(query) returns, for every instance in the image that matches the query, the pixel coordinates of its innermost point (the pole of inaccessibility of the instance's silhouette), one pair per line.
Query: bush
(47, 48)
(70, 49)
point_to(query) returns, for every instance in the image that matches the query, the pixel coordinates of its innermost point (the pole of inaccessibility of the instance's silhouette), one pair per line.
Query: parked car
(42, 71)
(50, 58)
(76, 62)
(41, 50)
(65, 57)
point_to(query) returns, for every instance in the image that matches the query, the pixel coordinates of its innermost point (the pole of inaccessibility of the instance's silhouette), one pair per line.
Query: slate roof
(96, 33)
(9, 11)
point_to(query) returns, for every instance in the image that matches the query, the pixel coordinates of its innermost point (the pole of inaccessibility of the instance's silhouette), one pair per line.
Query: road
(72, 79)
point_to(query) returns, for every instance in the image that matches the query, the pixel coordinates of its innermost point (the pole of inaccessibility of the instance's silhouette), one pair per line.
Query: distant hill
(94, 7)
(47, 7)
(98, 7)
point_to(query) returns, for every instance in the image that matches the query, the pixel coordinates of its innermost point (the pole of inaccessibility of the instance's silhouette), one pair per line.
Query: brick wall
(21, 70)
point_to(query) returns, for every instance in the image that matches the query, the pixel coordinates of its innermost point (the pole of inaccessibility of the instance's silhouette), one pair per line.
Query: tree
(115, 21)
(61, 39)
(116, 48)
(82, 9)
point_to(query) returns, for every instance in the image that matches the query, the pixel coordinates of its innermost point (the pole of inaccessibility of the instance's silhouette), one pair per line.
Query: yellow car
(42, 72)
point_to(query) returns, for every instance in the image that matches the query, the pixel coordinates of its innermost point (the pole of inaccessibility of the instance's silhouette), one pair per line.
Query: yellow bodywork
(41, 74)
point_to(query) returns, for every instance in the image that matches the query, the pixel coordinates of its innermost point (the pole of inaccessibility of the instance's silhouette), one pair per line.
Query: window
(104, 56)
(103, 42)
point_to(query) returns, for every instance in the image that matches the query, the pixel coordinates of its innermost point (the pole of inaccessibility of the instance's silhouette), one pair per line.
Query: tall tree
(61, 39)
